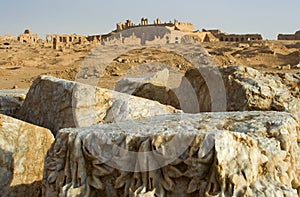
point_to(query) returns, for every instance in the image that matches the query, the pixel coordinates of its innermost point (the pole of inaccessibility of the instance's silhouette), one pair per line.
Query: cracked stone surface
(208, 154)
(23, 148)
(11, 101)
(234, 88)
(56, 103)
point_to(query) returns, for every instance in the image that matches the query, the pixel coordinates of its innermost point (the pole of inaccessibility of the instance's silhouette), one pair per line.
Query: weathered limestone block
(246, 89)
(23, 148)
(153, 87)
(292, 81)
(235, 88)
(130, 85)
(209, 154)
(56, 103)
(11, 101)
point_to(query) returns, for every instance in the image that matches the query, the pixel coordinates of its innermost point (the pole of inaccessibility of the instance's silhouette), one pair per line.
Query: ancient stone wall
(295, 36)
(28, 37)
(122, 26)
(286, 37)
(234, 37)
(131, 38)
(204, 36)
(185, 27)
(181, 26)
(58, 41)
(213, 31)
(157, 21)
(144, 21)
(239, 38)
(94, 38)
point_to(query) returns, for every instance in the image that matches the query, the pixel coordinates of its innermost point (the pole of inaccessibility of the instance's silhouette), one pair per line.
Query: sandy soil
(21, 63)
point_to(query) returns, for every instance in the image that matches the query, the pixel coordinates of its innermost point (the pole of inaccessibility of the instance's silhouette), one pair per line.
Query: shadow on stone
(6, 169)
(26, 190)
(6, 178)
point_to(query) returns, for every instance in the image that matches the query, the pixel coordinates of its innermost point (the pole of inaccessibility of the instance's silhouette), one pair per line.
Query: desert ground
(64, 138)
(21, 63)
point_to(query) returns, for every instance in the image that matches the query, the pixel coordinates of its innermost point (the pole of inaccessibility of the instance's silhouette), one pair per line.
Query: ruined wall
(94, 38)
(204, 36)
(286, 37)
(295, 36)
(57, 41)
(234, 37)
(185, 27)
(239, 38)
(120, 26)
(28, 37)
(181, 26)
(157, 21)
(213, 31)
(172, 37)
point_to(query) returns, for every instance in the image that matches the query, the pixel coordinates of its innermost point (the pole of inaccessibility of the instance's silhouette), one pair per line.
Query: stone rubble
(234, 88)
(55, 104)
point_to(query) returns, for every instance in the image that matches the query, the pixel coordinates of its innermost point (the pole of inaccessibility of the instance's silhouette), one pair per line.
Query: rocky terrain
(209, 154)
(152, 122)
(21, 63)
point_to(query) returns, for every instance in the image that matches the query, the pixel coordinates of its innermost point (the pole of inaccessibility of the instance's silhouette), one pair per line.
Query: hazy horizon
(94, 17)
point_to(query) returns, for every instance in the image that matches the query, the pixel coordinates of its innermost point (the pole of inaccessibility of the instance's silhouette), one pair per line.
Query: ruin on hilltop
(28, 37)
(295, 36)
(179, 31)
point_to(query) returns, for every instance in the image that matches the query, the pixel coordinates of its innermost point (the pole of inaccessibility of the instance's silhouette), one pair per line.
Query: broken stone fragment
(234, 88)
(153, 87)
(11, 101)
(208, 154)
(23, 148)
(56, 103)
(130, 85)
(246, 89)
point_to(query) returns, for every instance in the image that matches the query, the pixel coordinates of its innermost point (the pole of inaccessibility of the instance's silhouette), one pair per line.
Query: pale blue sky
(87, 17)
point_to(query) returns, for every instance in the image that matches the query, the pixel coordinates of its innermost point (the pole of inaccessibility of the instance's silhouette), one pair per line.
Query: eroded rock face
(23, 148)
(11, 101)
(55, 103)
(246, 89)
(209, 154)
(292, 81)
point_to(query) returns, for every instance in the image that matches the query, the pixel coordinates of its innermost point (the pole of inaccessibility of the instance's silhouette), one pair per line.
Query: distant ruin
(176, 25)
(234, 37)
(158, 35)
(64, 40)
(295, 36)
(28, 37)
(178, 32)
